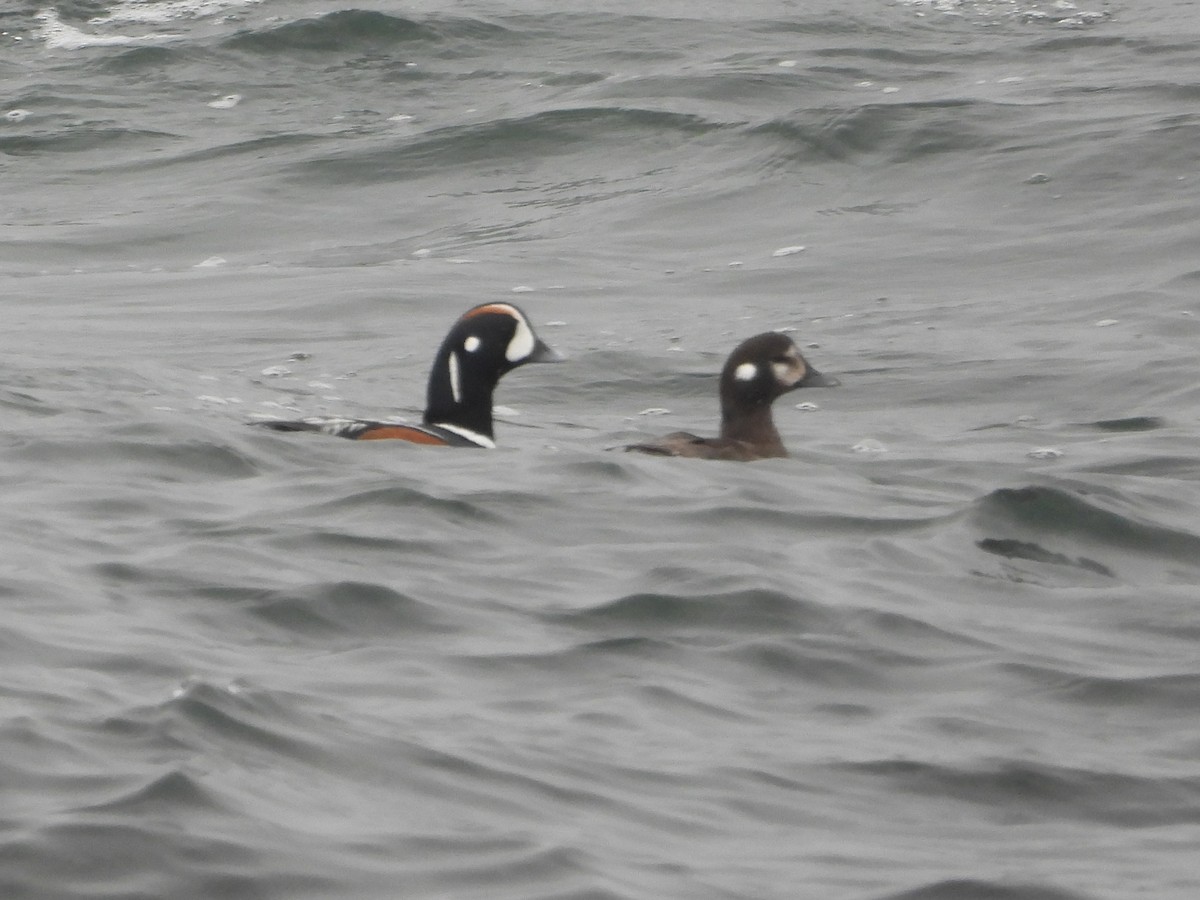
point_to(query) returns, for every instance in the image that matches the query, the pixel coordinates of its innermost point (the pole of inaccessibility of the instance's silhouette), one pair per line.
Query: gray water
(947, 651)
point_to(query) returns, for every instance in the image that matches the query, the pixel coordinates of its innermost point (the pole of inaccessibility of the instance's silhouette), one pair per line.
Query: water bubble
(807, 407)
(16, 115)
(788, 251)
(1037, 178)
(1045, 453)
(276, 371)
(869, 445)
(229, 101)
(655, 411)
(523, 289)
(1104, 323)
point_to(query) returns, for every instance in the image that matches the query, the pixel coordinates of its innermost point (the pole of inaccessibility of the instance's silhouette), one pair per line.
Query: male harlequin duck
(758, 371)
(484, 344)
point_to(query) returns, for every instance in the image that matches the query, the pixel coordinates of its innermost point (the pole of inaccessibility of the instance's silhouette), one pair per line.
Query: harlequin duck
(759, 370)
(484, 344)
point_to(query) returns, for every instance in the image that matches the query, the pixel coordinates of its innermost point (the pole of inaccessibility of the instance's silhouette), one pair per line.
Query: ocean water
(950, 650)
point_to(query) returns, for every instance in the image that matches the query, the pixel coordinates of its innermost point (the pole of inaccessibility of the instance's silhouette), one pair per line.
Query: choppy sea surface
(950, 650)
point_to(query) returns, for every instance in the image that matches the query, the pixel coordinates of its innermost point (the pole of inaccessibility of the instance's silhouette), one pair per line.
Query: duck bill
(813, 378)
(543, 352)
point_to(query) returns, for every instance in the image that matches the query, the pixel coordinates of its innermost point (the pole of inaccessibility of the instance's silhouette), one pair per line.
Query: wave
(361, 30)
(540, 134)
(1029, 792)
(1078, 517)
(81, 139)
(977, 889)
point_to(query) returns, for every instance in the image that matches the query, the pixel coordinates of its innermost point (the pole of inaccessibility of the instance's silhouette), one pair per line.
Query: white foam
(788, 251)
(59, 36)
(159, 11)
(229, 101)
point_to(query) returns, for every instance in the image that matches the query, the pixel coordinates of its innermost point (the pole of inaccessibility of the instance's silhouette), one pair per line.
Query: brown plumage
(760, 370)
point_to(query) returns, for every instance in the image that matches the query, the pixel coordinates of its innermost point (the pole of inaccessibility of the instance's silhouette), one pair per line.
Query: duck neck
(467, 405)
(754, 426)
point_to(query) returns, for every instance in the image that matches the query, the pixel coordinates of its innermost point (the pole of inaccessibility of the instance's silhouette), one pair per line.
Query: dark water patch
(813, 523)
(347, 607)
(205, 715)
(1133, 423)
(1185, 468)
(924, 59)
(74, 860)
(26, 403)
(974, 889)
(914, 640)
(733, 612)
(322, 541)
(674, 702)
(137, 59)
(606, 654)
(1028, 550)
(1076, 515)
(271, 147)
(359, 30)
(901, 132)
(412, 501)
(1027, 792)
(805, 664)
(81, 139)
(1179, 693)
(492, 142)
(1077, 41)
(173, 461)
(170, 793)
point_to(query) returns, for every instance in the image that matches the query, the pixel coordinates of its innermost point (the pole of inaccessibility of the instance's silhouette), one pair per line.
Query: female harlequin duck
(758, 371)
(484, 344)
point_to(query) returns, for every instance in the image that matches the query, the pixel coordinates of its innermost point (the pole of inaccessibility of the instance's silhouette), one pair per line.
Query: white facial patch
(471, 344)
(522, 341)
(746, 372)
(454, 385)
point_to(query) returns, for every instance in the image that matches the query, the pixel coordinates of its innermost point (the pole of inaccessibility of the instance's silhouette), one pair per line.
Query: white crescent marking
(522, 342)
(454, 386)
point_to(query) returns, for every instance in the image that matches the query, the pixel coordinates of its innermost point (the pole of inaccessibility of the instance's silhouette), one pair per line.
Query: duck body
(486, 343)
(758, 371)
